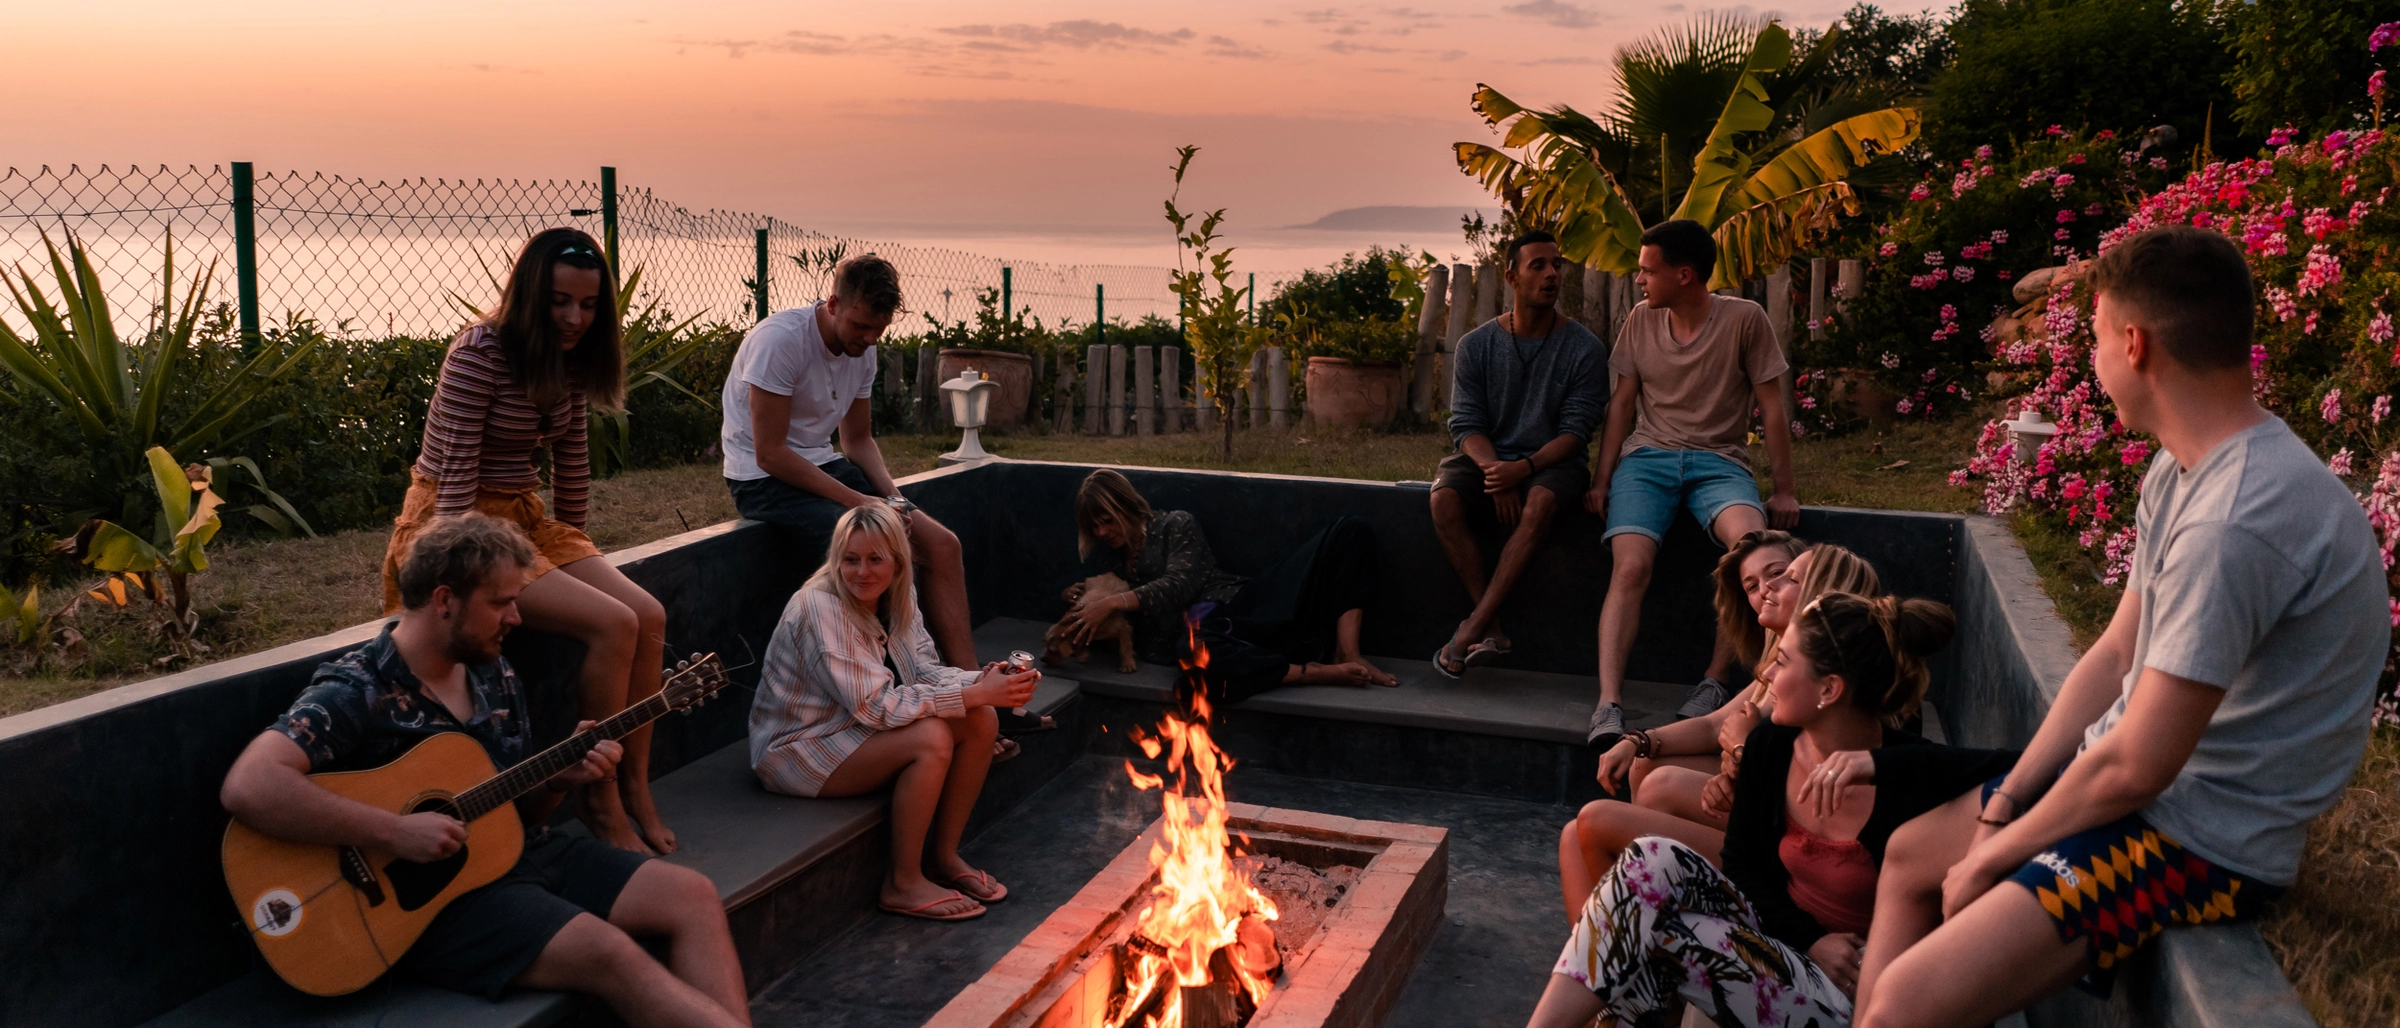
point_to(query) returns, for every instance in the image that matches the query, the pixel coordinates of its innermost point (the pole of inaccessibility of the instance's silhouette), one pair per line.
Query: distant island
(1395, 219)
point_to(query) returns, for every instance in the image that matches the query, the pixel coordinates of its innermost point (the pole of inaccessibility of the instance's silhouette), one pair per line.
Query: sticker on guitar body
(276, 913)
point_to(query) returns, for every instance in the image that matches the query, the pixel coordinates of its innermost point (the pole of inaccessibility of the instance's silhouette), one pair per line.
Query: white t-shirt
(786, 356)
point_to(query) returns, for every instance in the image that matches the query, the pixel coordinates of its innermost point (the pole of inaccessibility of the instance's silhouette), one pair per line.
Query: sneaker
(1608, 726)
(1706, 698)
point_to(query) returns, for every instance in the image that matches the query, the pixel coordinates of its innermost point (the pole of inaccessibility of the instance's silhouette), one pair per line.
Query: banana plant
(175, 550)
(27, 615)
(1762, 204)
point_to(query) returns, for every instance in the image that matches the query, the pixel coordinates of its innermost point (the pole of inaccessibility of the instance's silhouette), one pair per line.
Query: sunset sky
(1044, 125)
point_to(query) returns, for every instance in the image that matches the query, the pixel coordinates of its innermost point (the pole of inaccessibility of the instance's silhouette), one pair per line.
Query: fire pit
(1224, 914)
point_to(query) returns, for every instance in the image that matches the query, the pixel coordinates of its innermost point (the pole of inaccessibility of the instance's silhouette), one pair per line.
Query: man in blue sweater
(1527, 389)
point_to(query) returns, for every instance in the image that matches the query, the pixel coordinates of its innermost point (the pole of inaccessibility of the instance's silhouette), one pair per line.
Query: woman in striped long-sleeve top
(853, 697)
(514, 383)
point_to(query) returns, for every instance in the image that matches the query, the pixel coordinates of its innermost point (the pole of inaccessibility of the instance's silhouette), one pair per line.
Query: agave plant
(1762, 193)
(116, 392)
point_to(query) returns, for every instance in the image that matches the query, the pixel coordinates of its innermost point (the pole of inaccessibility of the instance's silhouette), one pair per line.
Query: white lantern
(970, 403)
(2030, 432)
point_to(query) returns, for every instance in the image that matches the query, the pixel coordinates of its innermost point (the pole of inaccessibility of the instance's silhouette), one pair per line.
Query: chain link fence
(402, 257)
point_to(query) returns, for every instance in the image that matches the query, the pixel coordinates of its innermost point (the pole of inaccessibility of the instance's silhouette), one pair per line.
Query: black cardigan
(1912, 776)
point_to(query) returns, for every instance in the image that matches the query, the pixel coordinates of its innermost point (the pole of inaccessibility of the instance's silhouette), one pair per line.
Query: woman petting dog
(1297, 624)
(519, 380)
(853, 697)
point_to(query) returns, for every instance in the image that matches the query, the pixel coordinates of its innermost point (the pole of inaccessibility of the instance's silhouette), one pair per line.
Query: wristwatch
(902, 504)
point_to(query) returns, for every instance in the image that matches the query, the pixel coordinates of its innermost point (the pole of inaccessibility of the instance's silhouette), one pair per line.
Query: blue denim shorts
(1650, 483)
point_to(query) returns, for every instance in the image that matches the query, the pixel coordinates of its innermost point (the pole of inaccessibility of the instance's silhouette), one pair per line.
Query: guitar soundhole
(415, 884)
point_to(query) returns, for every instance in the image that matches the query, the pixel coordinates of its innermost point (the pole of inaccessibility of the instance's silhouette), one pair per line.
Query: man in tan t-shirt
(1690, 366)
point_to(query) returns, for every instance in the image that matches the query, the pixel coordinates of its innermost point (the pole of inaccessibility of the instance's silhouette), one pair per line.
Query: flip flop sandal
(1007, 750)
(925, 910)
(1482, 654)
(1441, 662)
(1032, 723)
(979, 886)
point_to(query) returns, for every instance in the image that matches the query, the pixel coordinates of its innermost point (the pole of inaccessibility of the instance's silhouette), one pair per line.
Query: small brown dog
(1058, 643)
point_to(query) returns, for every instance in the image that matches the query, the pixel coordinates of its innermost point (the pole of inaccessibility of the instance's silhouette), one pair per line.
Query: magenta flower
(2339, 463)
(1984, 151)
(2375, 85)
(1934, 258)
(1887, 249)
(2000, 237)
(2384, 35)
(2330, 408)
(2381, 408)
(1922, 192)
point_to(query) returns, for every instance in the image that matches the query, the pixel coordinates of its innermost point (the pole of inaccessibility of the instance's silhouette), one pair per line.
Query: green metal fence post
(1252, 297)
(245, 249)
(608, 216)
(1099, 313)
(1008, 279)
(758, 288)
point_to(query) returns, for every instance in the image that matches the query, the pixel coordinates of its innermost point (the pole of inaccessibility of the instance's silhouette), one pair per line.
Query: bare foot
(1355, 673)
(644, 809)
(609, 823)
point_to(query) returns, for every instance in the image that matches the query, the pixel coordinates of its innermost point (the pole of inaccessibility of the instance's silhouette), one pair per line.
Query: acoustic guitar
(332, 919)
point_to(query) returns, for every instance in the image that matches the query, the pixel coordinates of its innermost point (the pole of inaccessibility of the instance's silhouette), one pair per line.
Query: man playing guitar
(564, 917)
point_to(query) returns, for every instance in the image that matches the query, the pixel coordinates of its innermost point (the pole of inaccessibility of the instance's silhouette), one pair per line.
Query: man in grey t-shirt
(2227, 704)
(1527, 388)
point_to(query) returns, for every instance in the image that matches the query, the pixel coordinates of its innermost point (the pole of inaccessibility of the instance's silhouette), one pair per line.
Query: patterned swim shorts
(2122, 883)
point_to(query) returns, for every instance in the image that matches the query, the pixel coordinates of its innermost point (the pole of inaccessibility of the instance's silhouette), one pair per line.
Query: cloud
(1221, 46)
(1080, 34)
(1344, 46)
(1556, 12)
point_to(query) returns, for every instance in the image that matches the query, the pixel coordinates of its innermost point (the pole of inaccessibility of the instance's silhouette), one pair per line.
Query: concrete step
(1497, 731)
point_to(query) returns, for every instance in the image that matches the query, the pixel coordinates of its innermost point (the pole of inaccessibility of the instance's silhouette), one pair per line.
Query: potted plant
(998, 344)
(1356, 375)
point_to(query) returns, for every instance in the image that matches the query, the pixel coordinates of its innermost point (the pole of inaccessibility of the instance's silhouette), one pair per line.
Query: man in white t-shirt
(801, 380)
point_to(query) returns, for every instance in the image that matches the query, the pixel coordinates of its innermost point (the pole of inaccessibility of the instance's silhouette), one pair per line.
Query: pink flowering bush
(1942, 267)
(2318, 221)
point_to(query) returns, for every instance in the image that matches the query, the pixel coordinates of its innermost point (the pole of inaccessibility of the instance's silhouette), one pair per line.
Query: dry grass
(2337, 932)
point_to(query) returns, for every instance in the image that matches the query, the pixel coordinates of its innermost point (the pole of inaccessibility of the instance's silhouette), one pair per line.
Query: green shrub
(2022, 66)
(2302, 63)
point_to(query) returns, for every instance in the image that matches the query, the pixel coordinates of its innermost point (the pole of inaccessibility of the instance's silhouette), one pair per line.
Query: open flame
(1201, 900)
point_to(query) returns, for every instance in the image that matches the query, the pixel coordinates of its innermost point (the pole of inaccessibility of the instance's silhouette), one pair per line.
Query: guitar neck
(531, 772)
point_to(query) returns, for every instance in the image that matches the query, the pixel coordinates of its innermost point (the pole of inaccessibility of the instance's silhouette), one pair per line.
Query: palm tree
(1768, 169)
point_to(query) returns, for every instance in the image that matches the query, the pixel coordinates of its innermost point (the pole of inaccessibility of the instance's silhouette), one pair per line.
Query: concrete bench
(793, 874)
(1494, 701)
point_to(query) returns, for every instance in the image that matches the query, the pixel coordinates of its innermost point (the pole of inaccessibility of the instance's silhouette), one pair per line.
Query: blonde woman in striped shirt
(519, 381)
(854, 698)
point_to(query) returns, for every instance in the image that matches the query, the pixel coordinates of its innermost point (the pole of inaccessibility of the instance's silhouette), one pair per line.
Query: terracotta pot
(1857, 389)
(1013, 372)
(1354, 394)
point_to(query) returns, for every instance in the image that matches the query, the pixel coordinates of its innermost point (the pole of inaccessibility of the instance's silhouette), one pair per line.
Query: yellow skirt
(555, 543)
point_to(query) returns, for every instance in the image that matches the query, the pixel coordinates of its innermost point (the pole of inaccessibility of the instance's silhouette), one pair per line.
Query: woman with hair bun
(518, 382)
(1680, 775)
(1774, 939)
